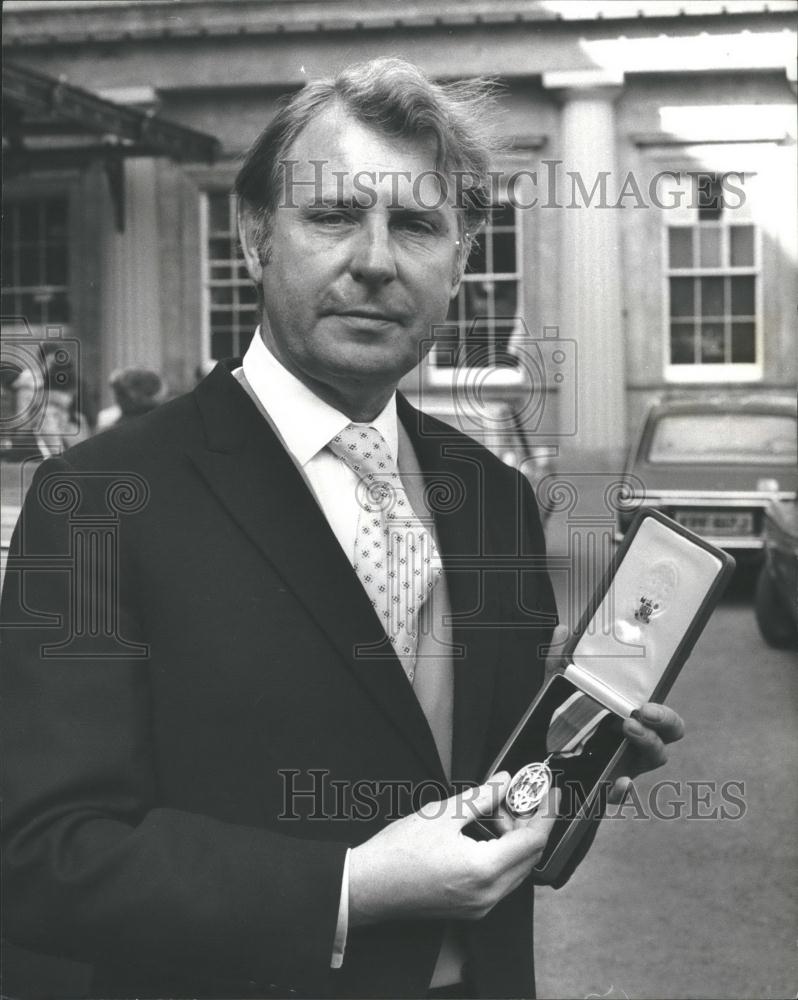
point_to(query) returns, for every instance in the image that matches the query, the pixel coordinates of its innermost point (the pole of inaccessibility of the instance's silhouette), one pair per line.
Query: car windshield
(724, 438)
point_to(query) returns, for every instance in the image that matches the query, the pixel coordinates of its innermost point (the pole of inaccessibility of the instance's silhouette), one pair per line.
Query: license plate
(726, 523)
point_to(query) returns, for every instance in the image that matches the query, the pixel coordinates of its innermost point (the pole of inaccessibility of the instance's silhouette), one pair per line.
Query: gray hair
(395, 98)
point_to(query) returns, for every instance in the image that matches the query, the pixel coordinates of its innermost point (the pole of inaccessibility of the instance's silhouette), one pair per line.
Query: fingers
(618, 791)
(648, 749)
(527, 839)
(667, 723)
(476, 802)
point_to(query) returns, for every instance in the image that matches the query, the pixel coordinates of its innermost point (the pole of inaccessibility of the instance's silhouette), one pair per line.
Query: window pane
(742, 295)
(503, 215)
(55, 221)
(734, 438)
(682, 297)
(31, 308)
(712, 296)
(29, 265)
(221, 295)
(247, 294)
(221, 344)
(58, 308)
(220, 320)
(743, 344)
(56, 264)
(219, 249)
(709, 238)
(741, 242)
(680, 246)
(504, 253)
(505, 296)
(248, 320)
(219, 213)
(712, 343)
(710, 197)
(682, 343)
(29, 221)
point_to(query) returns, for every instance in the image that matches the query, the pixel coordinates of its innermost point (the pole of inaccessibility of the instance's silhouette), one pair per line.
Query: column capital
(585, 84)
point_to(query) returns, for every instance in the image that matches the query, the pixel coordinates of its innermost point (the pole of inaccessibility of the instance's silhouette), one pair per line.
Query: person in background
(136, 391)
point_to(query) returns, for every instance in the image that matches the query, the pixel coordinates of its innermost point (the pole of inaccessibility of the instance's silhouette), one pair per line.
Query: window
(724, 438)
(35, 261)
(484, 315)
(231, 302)
(712, 274)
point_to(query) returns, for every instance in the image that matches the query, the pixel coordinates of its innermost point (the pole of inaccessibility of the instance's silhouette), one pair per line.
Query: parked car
(713, 465)
(497, 426)
(776, 601)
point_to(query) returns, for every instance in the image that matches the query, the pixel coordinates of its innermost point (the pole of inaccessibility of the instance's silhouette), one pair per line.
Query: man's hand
(649, 730)
(424, 866)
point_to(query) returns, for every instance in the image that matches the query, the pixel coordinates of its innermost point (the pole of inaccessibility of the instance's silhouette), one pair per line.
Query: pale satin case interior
(649, 607)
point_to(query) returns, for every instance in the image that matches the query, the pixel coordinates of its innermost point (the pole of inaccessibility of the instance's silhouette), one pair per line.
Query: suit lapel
(255, 479)
(453, 476)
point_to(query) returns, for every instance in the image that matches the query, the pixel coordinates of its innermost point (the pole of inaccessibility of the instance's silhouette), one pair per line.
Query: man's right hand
(424, 866)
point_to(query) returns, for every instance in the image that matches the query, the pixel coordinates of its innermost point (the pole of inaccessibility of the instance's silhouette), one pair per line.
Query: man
(237, 789)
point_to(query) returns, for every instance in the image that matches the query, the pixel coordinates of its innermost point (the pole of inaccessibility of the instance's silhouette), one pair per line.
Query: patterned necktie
(395, 556)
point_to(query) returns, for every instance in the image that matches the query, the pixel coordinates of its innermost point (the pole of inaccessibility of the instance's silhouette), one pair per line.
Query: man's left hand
(649, 730)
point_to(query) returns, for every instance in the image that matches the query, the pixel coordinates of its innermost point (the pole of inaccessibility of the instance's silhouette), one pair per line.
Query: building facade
(643, 238)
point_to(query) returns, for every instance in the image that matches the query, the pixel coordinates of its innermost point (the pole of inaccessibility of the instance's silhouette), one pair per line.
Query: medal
(528, 789)
(571, 726)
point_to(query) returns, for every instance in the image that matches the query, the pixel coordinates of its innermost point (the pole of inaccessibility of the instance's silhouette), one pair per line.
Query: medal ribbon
(572, 725)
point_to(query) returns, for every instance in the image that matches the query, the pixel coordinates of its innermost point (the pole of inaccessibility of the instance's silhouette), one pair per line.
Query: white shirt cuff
(342, 927)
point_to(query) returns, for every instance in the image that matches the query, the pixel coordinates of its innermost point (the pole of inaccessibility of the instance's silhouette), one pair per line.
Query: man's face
(354, 284)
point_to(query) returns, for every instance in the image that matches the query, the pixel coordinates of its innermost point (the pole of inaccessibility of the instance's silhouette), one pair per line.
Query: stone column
(591, 264)
(131, 278)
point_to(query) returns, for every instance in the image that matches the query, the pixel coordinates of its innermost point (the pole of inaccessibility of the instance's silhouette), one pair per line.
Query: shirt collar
(305, 422)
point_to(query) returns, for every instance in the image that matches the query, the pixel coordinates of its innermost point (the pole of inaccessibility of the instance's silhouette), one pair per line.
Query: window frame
(726, 371)
(440, 375)
(205, 274)
(40, 194)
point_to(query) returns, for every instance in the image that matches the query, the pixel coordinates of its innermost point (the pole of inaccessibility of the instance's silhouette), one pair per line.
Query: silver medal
(528, 789)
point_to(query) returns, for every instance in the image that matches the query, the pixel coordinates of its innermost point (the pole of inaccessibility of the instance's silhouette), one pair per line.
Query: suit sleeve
(96, 869)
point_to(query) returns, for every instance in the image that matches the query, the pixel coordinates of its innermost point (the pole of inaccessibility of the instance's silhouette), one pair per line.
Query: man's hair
(396, 99)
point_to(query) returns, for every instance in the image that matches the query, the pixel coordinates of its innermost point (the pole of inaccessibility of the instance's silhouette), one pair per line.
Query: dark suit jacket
(184, 639)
